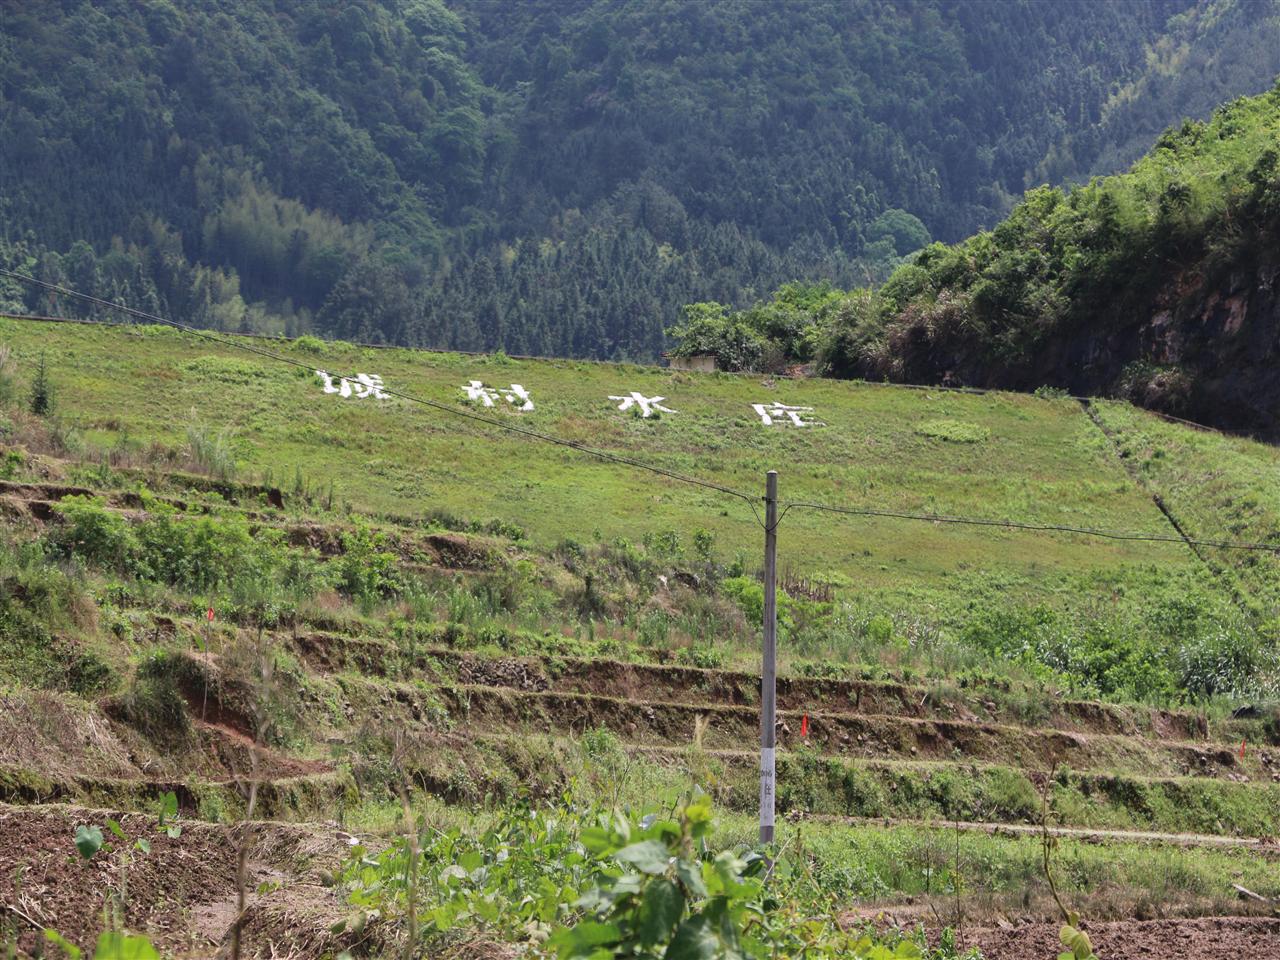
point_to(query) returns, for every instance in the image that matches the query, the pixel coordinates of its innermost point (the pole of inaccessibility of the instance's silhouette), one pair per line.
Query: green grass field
(1022, 457)
(1217, 486)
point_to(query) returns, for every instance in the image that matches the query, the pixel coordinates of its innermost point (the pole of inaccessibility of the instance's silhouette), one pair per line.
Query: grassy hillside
(1217, 485)
(1034, 459)
(467, 657)
(1093, 613)
(513, 740)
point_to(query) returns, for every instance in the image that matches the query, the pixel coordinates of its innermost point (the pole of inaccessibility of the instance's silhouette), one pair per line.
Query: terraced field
(297, 667)
(1133, 791)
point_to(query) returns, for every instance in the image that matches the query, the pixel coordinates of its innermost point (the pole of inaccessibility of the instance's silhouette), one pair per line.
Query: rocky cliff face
(1207, 348)
(1201, 345)
(1224, 336)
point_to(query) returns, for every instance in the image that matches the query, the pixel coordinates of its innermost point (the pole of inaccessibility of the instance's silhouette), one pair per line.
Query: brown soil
(232, 493)
(63, 738)
(502, 672)
(658, 683)
(42, 875)
(182, 894)
(453, 551)
(42, 491)
(1207, 938)
(233, 752)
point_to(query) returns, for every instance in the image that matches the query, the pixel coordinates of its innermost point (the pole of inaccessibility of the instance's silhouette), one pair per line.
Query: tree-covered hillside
(1159, 284)
(1214, 52)
(553, 176)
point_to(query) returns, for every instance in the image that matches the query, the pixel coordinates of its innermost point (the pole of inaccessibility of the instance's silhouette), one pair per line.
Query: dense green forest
(1159, 284)
(557, 176)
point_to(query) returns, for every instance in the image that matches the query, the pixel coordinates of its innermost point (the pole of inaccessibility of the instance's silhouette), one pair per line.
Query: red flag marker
(804, 726)
(209, 615)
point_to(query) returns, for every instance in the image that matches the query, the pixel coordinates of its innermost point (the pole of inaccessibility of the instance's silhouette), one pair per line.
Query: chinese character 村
(363, 385)
(647, 405)
(516, 395)
(771, 413)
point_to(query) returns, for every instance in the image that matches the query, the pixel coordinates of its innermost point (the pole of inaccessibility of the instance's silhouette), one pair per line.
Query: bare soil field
(182, 893)
(1202, 938)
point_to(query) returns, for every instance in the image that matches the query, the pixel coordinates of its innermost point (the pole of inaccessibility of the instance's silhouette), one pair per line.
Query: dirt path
(1207, 938)
(1264, 845)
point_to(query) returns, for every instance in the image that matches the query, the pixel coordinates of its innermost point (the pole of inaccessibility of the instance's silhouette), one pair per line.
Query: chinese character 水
(647, 405)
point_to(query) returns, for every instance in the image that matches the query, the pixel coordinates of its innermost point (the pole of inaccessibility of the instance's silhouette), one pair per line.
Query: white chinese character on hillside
(478, 391)
(369, 385)
(361, 386)
(515, 395)
(771, 413)
(647, 405)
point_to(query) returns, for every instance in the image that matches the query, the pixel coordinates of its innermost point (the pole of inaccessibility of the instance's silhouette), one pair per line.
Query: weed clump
(1013, 796)
(211, 452)
(41, 605)
(154, 703)
(309, 344)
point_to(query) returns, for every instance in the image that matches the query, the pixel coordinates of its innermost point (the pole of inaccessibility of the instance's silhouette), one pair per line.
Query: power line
(1023, 525)
(434, 404)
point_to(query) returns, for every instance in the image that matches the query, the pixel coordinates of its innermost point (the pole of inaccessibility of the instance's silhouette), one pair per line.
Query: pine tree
(41, 391)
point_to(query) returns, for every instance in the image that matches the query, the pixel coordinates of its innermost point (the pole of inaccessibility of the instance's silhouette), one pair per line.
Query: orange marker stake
(1242, 742)
(804, 726)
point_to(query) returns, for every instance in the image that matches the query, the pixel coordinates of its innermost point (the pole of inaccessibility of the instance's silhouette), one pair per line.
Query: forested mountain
(557, 176)
(1161, 284)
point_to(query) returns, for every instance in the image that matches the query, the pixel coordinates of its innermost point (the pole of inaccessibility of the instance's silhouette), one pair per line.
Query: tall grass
(211, 452)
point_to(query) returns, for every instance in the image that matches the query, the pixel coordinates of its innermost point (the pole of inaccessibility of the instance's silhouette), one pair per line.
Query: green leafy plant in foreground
(661, 894)
(167, 811)
(111, 945)
(516, 877)
(88, 840)
(589, 884)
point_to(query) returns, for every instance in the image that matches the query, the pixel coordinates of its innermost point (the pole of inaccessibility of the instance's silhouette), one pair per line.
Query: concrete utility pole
(769, 674)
